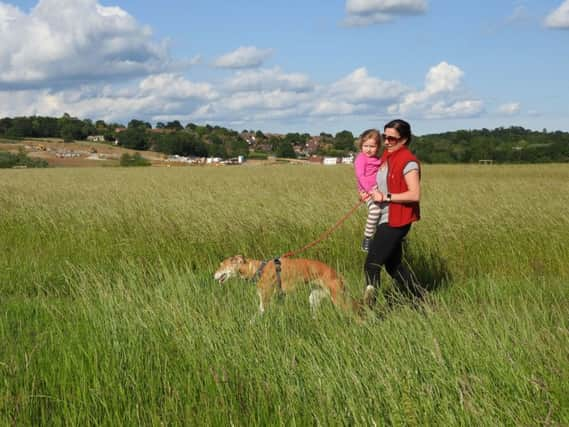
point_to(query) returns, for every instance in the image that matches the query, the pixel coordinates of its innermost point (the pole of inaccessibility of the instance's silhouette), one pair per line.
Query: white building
(96, 138)
(330, 161)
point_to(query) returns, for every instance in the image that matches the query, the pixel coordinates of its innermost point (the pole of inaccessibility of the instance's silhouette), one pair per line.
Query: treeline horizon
(514, 144)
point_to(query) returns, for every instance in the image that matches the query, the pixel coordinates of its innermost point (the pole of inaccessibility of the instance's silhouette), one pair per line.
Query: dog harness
(259, 272)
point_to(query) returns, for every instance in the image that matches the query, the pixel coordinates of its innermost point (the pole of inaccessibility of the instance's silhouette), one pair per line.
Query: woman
(398, 192)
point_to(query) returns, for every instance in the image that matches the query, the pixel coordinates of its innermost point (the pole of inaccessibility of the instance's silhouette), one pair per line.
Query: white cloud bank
(244, 57)
(253, 96)
(163, 94)
(559, 18)
(368, 12)
(62, 42)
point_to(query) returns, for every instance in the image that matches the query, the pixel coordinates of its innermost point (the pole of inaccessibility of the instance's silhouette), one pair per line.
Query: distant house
(331, 160)
(213, 160)
(315, 159)
(312, 145)
(348, 160)
(96, 138)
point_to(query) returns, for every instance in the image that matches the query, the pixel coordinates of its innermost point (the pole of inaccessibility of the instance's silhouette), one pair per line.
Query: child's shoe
(366, 242)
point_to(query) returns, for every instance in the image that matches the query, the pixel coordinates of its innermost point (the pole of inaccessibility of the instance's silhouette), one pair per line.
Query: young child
(366, 165)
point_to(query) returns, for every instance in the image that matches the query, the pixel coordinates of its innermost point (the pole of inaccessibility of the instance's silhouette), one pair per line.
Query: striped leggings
(373, 214)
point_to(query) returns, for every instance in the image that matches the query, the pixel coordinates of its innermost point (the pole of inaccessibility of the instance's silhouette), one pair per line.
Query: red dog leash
(326, 233)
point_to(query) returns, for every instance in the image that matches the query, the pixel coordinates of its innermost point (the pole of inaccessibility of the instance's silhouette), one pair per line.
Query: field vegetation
(109, 314)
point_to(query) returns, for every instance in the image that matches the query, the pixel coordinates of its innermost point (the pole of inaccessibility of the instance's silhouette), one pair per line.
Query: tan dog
(293, 272)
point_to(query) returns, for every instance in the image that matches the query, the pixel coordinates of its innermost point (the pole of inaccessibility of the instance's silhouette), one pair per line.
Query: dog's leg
(315, 298)
(261, 304)
(370, 296)
(265, 290)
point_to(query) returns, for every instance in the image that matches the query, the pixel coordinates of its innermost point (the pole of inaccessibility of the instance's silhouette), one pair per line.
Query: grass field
(109, 314)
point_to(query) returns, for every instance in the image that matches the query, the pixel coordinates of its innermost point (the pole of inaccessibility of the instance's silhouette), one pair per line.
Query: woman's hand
(364, 195)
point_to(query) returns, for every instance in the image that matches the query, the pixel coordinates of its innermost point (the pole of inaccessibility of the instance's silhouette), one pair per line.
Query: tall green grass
(109, 314)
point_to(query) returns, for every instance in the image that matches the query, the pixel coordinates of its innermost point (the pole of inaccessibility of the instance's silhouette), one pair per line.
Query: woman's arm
(413, 193)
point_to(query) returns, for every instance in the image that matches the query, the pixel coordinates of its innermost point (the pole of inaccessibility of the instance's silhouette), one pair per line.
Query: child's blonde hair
(370, 134)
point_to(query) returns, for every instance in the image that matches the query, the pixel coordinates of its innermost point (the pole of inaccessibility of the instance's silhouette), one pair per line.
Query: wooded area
(501, 145)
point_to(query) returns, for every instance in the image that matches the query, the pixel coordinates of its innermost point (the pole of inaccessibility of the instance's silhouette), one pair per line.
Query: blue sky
(294, 66)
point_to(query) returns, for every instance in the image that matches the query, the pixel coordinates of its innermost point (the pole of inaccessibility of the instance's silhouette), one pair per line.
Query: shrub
(10, 160)
(134, 160)
(255, 155)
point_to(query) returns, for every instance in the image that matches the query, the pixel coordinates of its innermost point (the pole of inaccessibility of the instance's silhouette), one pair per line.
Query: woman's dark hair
(402, 127)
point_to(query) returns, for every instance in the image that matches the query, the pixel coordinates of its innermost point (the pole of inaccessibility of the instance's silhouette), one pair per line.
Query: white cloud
(509, 108)
(441, 96)
(332, 108)
(368, 12)
(360, 86)
(559, 18)
(465, 108)
(62, 42)
(243, 57)
(268, 79)
(443, 77)
(365, 20)
(400, 7)
(175, 86)
(272, 100)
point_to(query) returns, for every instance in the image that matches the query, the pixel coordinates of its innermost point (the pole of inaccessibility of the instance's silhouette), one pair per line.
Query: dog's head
(229, 268)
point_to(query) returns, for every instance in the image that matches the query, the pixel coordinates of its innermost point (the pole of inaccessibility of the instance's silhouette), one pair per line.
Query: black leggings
(386, 249)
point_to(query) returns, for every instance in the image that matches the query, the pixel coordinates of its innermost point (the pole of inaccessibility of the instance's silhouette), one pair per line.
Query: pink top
(366, 170)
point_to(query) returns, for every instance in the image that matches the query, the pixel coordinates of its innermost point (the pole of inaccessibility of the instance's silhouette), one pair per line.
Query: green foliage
(256, 155)
(181, 143)
(71, 128)
(296, 139)
(174, 125)
(139, 124)
(10, 160)
(134, 160)
(344, 141)
(503, 145)
(135, 138)
(285, 149)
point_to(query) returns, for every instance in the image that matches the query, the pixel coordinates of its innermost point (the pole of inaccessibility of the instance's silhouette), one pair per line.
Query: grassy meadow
(109, 314)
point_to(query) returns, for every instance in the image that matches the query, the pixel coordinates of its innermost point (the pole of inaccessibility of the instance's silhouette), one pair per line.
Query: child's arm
(359, 167)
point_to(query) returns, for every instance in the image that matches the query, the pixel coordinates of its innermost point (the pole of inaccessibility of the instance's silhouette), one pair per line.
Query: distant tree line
(66, 127)
(502, 145)
(174, 138)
